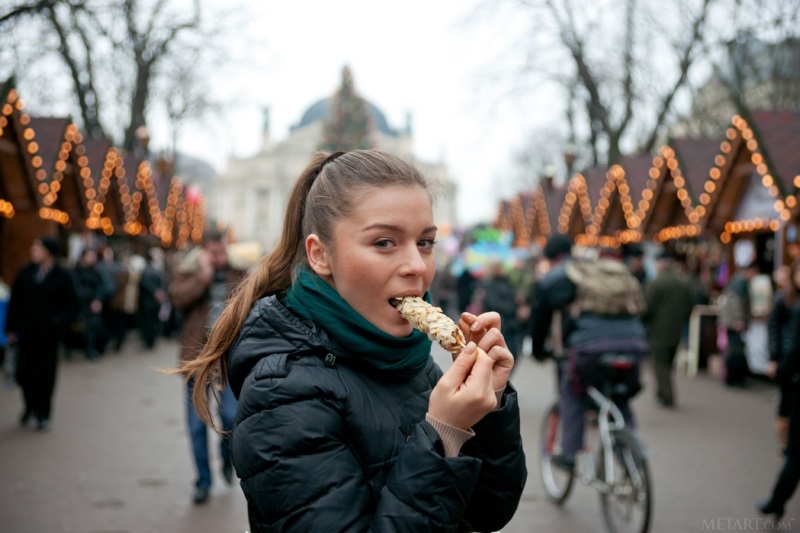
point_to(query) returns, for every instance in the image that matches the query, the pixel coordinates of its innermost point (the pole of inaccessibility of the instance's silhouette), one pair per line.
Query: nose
(414, 263)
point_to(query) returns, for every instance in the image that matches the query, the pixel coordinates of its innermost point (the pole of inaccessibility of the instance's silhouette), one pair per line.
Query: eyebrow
(392, 227)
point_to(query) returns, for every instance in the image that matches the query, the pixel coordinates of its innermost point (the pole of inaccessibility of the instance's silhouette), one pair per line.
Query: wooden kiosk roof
(745, 191)
(616, 219)
(670, 200)
(69, 185)
(22, 179)
(577, 208)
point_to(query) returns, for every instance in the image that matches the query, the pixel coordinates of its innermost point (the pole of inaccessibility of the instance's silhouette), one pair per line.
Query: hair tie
(329, 159)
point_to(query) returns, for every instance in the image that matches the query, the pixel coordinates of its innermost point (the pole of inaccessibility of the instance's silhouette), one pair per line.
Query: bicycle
(619, 471)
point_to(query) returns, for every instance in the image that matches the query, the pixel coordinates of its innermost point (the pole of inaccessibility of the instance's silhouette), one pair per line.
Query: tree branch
(687, 59)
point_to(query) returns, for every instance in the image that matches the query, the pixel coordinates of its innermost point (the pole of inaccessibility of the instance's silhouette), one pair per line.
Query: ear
(317, 256)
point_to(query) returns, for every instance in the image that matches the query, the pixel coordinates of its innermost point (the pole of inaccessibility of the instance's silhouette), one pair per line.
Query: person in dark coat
(782, 339)
(43, 301)
(784, 367)
(500, 297)
(345, 422)
(152, 294)
(92, 295)
(669, 299)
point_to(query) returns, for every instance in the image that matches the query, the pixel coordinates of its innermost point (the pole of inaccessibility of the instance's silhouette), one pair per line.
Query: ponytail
(272, 274)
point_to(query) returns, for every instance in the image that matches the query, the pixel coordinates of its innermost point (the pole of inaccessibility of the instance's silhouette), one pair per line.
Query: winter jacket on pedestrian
(42, 309)
(784, 340)
(320, 443)
(735, 308)
(670, 299)
(189, 293)
(553, 296)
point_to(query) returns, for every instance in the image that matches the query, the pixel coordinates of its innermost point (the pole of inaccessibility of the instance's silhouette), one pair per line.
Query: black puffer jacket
(320, 444)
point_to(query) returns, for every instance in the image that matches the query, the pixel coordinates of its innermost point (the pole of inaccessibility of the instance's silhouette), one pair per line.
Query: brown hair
(322, 195)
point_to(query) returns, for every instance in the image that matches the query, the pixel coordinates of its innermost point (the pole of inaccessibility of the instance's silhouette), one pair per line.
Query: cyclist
(566, 326)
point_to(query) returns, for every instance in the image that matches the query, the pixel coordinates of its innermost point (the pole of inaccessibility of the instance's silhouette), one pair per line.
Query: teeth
(431, 321)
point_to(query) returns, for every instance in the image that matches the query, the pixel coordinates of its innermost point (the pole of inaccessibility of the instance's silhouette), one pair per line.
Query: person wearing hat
(670, 298)
(43, 301)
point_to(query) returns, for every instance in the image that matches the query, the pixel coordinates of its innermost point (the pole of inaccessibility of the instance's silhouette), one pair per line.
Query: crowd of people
(55, 307)
(314, 370)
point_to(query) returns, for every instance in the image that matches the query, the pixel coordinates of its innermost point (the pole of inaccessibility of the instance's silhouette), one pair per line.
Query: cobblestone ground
(116, 458)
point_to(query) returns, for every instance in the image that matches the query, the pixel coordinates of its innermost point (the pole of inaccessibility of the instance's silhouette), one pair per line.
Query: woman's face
(384, 249)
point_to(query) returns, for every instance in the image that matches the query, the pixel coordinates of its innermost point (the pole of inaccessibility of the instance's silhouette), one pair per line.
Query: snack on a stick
(431, 321)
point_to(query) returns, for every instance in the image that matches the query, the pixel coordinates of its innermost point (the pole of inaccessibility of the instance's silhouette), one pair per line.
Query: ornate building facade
(250, 196)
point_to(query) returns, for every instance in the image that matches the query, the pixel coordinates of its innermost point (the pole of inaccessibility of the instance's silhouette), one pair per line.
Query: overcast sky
(415, 56)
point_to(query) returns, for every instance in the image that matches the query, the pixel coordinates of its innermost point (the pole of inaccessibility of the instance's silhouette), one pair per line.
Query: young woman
(344, 420)
(784, 367)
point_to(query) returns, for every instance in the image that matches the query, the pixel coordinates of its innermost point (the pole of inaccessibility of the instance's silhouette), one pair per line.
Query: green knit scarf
(311, 298)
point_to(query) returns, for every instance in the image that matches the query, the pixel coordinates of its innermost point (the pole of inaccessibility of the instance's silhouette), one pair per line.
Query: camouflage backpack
(604, 287)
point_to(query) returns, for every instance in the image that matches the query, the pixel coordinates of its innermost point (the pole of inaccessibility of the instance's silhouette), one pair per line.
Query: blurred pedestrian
(91, 296)
(105, 266)
(466, 286)
(6, 358)
(633, 255)
(784, 367)
(500, 297)
(783, 337)
(669, 300)
(122, 303)
(152, 295)
(345, 421)
(735, 316)
(43, 301)
(201, 285)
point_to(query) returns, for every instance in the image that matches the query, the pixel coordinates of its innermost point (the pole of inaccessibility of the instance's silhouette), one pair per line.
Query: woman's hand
(484, 330)
(464, 394)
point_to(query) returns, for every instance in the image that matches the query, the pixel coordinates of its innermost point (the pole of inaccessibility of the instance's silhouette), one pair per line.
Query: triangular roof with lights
(138, 178)
(20, 162)
(65, 191)
(677, 177)
(21, 175)
(616, 218)
(503, 221)
(577, 207)
(749, 191)
(106, 212)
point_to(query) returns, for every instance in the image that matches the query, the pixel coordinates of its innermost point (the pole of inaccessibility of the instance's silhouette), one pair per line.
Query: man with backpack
(588, 307)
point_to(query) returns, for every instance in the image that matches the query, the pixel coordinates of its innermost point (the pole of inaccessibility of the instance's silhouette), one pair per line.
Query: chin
(399, 331)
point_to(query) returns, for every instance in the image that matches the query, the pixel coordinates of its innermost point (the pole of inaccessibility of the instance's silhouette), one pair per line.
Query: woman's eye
(385, 243)
(427, 243)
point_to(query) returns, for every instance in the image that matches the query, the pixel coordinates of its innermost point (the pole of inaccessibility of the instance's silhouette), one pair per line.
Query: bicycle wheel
(628, 501)
(557, 481)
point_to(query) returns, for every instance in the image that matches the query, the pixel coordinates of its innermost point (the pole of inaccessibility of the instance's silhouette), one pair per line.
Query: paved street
(116, 459)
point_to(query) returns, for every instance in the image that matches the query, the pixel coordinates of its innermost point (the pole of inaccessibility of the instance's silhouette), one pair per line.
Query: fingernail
(475, 326)
(470, 348)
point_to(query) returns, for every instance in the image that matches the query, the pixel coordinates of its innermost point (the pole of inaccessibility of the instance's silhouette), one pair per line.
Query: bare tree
(622, 65)
(150, 43)
(114, 54)
(755, 64)
(629, 69)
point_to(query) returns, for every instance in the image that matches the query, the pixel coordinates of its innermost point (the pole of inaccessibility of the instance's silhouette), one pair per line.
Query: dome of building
(321, 110)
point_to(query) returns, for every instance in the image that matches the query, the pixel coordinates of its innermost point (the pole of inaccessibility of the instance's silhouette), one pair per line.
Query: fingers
(462, 365)
(481, 375)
